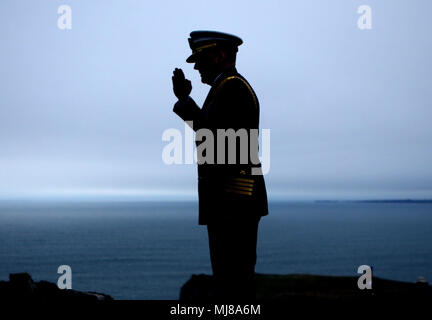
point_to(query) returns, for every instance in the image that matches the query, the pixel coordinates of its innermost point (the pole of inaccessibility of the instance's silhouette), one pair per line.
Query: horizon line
(187, 195)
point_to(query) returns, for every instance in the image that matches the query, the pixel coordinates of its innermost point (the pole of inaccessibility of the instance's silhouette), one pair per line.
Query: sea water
(147, 250)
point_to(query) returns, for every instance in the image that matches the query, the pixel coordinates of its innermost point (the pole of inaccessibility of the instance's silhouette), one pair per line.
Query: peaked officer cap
(202, 40)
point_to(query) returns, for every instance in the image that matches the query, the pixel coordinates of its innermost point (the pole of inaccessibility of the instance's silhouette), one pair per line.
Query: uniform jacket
(227, 191)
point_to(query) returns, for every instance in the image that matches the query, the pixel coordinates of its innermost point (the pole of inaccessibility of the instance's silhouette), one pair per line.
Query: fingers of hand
(178, 73)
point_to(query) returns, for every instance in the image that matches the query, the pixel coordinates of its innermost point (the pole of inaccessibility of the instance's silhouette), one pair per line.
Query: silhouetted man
(231, 189)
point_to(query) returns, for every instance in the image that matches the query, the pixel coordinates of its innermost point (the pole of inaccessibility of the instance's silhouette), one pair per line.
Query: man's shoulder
(236, 86)
(233, 81)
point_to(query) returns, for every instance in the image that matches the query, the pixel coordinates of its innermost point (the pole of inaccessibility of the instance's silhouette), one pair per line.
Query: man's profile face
(208, 67)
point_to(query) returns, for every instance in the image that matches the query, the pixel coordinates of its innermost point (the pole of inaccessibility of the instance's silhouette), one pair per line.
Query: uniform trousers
(232, 247)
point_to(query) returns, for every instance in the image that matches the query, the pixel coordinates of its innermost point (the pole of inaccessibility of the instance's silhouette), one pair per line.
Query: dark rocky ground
(21, 287)
(302, 288)
(305, 288)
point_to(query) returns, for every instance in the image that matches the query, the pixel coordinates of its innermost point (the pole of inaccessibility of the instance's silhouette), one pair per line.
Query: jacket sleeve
(188, 110)
(237, 108)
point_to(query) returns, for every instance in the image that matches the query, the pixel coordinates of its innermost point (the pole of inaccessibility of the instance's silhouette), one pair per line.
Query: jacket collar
(224, 75)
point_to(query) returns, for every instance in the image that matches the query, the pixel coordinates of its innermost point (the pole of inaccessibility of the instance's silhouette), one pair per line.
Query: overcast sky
(82, 111)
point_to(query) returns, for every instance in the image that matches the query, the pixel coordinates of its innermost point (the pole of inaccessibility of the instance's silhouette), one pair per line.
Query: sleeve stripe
(240, 188)
(239, 192)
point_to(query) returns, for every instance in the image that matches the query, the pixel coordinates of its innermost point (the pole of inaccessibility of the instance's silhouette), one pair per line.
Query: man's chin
(205, 80)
